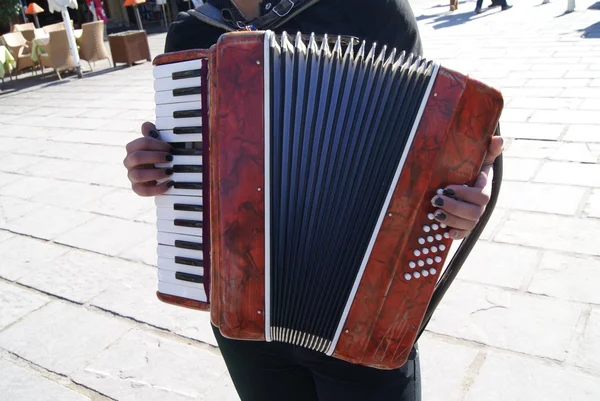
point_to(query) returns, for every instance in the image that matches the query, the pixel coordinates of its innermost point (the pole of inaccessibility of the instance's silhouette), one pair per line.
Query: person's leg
(263, 371)
(338, 380)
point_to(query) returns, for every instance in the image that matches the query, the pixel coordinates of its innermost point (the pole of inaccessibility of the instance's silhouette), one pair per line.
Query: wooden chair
(91, 43)
(58, 53)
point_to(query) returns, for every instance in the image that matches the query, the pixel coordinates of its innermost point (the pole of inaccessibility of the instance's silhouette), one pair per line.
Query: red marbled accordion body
(454, 131)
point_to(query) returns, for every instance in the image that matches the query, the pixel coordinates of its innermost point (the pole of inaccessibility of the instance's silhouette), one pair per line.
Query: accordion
(304, 169)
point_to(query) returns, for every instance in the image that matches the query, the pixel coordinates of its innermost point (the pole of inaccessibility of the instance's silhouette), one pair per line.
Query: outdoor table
(128, 47)
(7, 61)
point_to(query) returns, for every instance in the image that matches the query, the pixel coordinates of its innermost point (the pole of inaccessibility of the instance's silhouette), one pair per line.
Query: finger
(474, 195)
(454, 221)
(146, 143)
(494, 150)
(459, 234)
(463, 210)
(141, 157)
(151, 188)
(148, 175)
(149, 130)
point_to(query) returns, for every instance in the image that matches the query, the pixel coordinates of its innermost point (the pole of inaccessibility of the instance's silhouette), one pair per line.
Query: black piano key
(192, 278)
(188, 261)
(187, 208)
(186, 151)
(187, 113)
(187, 168)
(187, 130)
(187, 91)
(188, 185)
(185, 74)
(188, 223)
(195, 246)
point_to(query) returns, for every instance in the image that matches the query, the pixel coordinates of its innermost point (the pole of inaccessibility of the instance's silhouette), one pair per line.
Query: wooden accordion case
(304, 170)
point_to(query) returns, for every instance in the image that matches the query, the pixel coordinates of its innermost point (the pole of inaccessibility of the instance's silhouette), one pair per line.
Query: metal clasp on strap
(290, 5)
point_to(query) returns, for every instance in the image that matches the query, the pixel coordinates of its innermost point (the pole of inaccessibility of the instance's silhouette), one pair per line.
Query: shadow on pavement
(591, 32)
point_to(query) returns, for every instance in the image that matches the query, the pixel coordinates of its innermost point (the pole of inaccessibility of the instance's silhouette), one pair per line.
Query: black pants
(282, 372)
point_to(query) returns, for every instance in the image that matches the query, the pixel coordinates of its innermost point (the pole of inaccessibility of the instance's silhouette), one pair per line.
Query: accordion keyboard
(180, 116)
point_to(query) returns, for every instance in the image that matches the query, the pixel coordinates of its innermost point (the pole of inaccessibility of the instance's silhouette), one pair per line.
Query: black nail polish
(449, 192)
(169, 171)
(170, 184)
(439, 201)
(154, 134)
(441, 216)
(169, 158)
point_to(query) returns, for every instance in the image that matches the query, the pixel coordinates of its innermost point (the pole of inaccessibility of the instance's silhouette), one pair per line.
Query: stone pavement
(78, 316)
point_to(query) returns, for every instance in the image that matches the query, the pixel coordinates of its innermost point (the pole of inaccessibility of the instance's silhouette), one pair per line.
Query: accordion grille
(340, 120)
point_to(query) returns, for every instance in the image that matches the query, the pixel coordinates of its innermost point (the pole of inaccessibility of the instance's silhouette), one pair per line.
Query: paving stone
(530, 148)
(122, 203)
(79, 275)
(558, 199)
(144, 252)
(16, 302)
(517, 169)
(21, 255)
(497, 218)
(544, 102)
(575, 152)
(592, 208)
(507, 319)
(531, 130)
(26, 187)
(559, 233)
(12, 163)
(582, 133)
(71, 195)
(587, 175)
(4, 235)
(223, 390)
(106, 235)
(135, 297)
(499, 264)
(590, 104)
(565, 117)
(144, 366)
(511, 377)
(588, 355)
(580, 93)
(78, 151)
(61, 337)
(48, 221)
(446, 365)
(7, 178)
(558, 83)
(22, 384)
(13, 208)
(574, 278)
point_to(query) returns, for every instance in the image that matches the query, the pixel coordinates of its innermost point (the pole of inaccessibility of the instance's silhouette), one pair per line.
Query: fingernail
(441, 216)
(154, 134)
(449, 192)
(170, 184)
(454, 234)
(169, 171)
(169, 158)
(438, 201)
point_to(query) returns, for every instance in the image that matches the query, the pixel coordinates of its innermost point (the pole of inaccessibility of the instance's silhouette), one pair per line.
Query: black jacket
(389, 22)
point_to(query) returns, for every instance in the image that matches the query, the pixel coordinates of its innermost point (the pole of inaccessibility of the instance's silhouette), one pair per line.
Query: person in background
(495, 3)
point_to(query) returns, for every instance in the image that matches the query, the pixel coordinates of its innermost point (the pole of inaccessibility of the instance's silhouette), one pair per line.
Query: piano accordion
(304, 170)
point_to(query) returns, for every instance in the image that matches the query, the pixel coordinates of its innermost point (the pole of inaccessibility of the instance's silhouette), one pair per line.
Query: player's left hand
(461, 207)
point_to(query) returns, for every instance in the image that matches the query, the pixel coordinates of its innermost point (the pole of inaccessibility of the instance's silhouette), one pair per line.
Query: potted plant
(9, 9)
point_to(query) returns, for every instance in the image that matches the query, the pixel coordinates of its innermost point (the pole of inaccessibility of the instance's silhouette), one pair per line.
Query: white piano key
(165, 84)
(170, 238)
(180, 160)
(170, 201)
(163, 213)
(170, 265)
(167, 135)
(166, 97)
(183, 291)
(163, 123)
(183, 177)
(169, 252)
(183, 191)
(167, 110)
(167, 70)
(168, 226)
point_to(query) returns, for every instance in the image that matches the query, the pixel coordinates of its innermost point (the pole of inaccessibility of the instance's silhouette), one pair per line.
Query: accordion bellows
(320, 161)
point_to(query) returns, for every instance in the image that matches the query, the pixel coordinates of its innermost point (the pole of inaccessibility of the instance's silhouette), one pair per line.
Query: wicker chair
(18, 47)
(26, 29)
(58, 53)
(91, 43)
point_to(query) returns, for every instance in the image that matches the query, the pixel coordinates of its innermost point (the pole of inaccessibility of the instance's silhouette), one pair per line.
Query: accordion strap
(234, 15)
